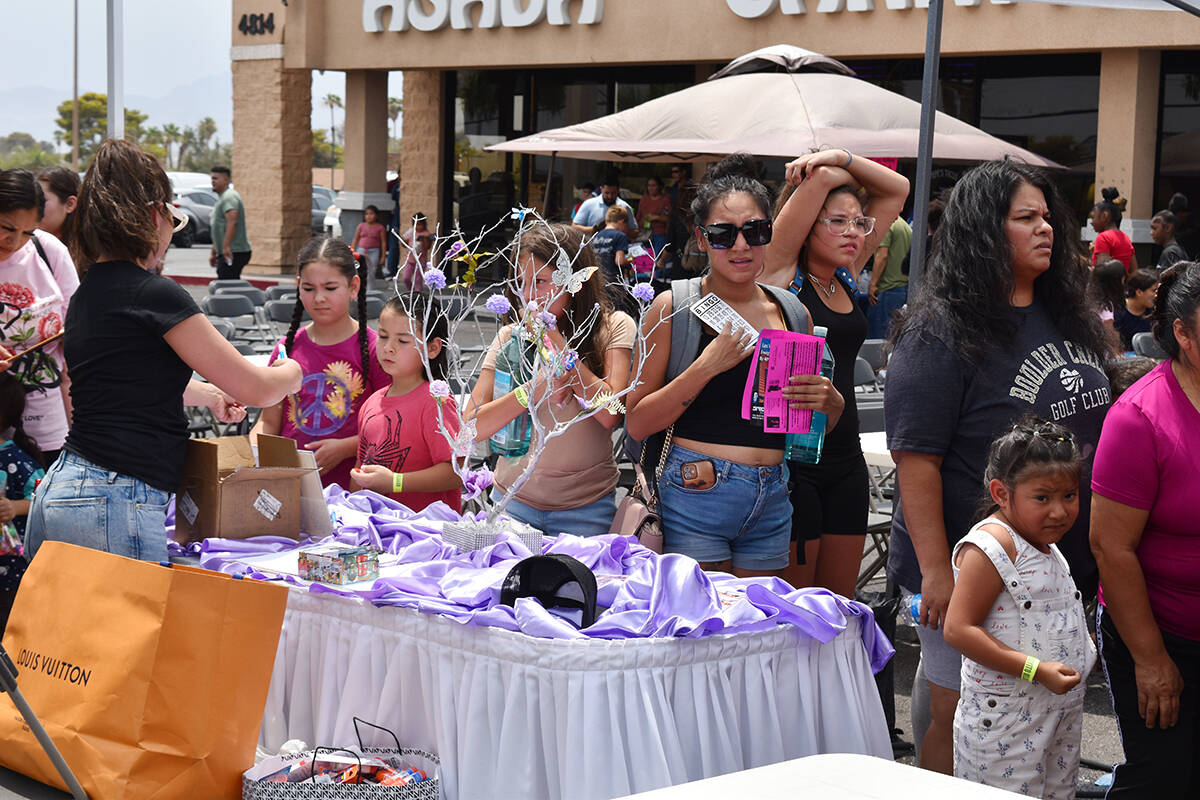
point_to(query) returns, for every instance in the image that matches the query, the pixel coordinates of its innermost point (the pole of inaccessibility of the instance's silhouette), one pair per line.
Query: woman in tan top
(573, 485)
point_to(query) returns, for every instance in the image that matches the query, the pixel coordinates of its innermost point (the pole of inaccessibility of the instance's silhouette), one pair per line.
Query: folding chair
(231, 308)
(864, 376)
(226, 282)
(279, 314)
(256, 296)
(223, 326)
(374, 307)
(1144, 344)
(873, 351)
(281, 292)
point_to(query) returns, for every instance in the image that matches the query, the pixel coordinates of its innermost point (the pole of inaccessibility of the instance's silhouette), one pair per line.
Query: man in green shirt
(889, 283)
(230, 247)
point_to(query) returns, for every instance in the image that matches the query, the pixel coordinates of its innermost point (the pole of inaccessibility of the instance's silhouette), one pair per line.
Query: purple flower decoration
(548, 319)
(435, 278)
(643, 292)
(439, 389)
(498, 304)
(478, 481)
(455, 249)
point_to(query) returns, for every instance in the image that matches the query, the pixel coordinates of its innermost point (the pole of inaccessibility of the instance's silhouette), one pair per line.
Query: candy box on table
(336, 562)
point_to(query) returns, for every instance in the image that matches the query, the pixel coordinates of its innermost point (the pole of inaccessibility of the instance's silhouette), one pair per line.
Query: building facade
(1112, 95)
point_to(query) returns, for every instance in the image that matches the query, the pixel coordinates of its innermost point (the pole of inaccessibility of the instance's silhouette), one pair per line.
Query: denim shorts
(81, 503)
(590, 520)
(746, 515)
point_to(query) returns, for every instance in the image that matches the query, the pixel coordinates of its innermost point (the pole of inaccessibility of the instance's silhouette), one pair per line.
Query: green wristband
(397, 482)
(1030, 668)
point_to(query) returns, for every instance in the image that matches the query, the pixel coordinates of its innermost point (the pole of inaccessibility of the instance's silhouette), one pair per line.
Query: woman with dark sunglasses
(826, 227)
(1000, 328)
(723, 486)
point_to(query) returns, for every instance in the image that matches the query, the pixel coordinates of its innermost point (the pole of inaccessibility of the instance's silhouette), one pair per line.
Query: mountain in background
(33, 109)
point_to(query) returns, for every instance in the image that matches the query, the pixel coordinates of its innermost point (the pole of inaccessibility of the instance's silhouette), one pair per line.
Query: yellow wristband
(397, 482)
(522, 396)
(1030, 668)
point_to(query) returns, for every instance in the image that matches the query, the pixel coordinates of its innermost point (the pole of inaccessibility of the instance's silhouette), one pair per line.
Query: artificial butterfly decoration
(564, 276)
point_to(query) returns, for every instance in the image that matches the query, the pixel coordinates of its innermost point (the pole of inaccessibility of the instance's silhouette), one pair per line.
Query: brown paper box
(223, 494)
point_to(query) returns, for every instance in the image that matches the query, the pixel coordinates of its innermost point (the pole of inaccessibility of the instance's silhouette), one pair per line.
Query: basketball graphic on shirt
(325, 399)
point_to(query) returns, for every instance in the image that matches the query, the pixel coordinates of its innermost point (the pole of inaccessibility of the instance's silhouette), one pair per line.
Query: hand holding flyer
(779, 356)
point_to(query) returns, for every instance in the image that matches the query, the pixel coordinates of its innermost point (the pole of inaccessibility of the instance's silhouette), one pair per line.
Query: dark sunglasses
(723, 235)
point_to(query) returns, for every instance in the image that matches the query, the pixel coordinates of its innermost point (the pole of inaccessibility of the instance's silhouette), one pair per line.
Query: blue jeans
(590, 520)
(746, 515)
(81, 503)
(879, 316)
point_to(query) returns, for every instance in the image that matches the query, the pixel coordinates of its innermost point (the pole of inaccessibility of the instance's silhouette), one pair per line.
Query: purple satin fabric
(646, 595)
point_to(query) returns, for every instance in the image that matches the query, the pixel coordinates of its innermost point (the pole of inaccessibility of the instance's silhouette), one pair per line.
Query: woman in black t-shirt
(132, 340)
(823, 239)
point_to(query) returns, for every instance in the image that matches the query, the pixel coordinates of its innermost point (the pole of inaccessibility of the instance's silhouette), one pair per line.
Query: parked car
(198, 205)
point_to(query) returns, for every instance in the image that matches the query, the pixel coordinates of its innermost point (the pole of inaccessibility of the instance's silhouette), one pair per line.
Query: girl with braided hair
(337, 355)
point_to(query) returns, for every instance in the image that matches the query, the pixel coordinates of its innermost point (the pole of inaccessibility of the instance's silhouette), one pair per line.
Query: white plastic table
(836, 776)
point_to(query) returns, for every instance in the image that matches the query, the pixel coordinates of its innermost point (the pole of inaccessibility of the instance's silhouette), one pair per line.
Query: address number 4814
(257, 24)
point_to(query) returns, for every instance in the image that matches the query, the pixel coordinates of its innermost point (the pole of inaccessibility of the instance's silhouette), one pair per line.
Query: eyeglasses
(838, 226)
(723, 235)
(179, 219)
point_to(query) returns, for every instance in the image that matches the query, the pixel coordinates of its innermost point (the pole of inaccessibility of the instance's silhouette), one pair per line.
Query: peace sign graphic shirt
(331, 394)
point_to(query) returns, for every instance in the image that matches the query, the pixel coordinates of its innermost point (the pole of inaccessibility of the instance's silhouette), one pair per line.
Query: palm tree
(395, 107)
(170, 133)
(333, 101)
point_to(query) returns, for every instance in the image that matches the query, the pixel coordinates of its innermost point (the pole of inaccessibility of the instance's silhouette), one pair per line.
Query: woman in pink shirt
(1147, 544)
(1110, 241)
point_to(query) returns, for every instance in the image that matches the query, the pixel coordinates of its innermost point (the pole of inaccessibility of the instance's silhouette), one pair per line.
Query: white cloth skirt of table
(514, 716)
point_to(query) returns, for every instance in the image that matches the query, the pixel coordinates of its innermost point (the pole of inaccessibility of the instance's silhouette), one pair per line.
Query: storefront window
(1179, 137)
(496, 105)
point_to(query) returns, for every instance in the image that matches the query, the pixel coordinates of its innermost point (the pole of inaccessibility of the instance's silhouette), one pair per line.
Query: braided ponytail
(364, 347)
(297, 315)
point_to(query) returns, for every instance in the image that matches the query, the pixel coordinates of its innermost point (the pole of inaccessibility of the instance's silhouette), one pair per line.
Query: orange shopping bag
(151, 680)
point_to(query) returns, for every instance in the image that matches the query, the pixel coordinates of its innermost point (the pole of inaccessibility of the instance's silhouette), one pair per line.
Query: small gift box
(335, 562)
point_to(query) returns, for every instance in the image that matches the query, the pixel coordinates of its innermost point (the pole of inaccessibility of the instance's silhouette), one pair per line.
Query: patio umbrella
(768, 114)
(785, 57)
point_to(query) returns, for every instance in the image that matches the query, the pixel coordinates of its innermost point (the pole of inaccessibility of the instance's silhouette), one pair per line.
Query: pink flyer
(780, 355)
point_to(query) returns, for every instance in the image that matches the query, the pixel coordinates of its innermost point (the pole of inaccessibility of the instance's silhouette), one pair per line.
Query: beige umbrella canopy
(768, 114)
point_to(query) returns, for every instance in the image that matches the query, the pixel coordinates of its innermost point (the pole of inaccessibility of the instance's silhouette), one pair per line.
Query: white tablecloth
(514, 716)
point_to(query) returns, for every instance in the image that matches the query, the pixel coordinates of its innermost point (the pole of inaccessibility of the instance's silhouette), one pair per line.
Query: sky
(176, 63)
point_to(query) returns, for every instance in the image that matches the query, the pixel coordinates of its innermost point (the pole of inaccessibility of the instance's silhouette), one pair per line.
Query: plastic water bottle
(513, 439)
(806, 447)
(912, 612)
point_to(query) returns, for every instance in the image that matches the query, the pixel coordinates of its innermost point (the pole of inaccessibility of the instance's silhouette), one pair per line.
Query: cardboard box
(223, 494)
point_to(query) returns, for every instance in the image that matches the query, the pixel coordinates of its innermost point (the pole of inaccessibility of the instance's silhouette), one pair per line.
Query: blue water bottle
(806, 447)
(513, 439)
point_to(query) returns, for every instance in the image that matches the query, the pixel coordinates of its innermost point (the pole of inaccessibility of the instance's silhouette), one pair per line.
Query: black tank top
(715, 416)
(846, 335)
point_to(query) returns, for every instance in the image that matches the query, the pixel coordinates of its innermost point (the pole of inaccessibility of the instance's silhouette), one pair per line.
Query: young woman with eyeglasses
(132, 340)
(723, 490)
(826, 227)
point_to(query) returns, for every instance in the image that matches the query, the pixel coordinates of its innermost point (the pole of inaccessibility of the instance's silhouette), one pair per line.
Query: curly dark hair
(968, 281)
(1178, 299)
